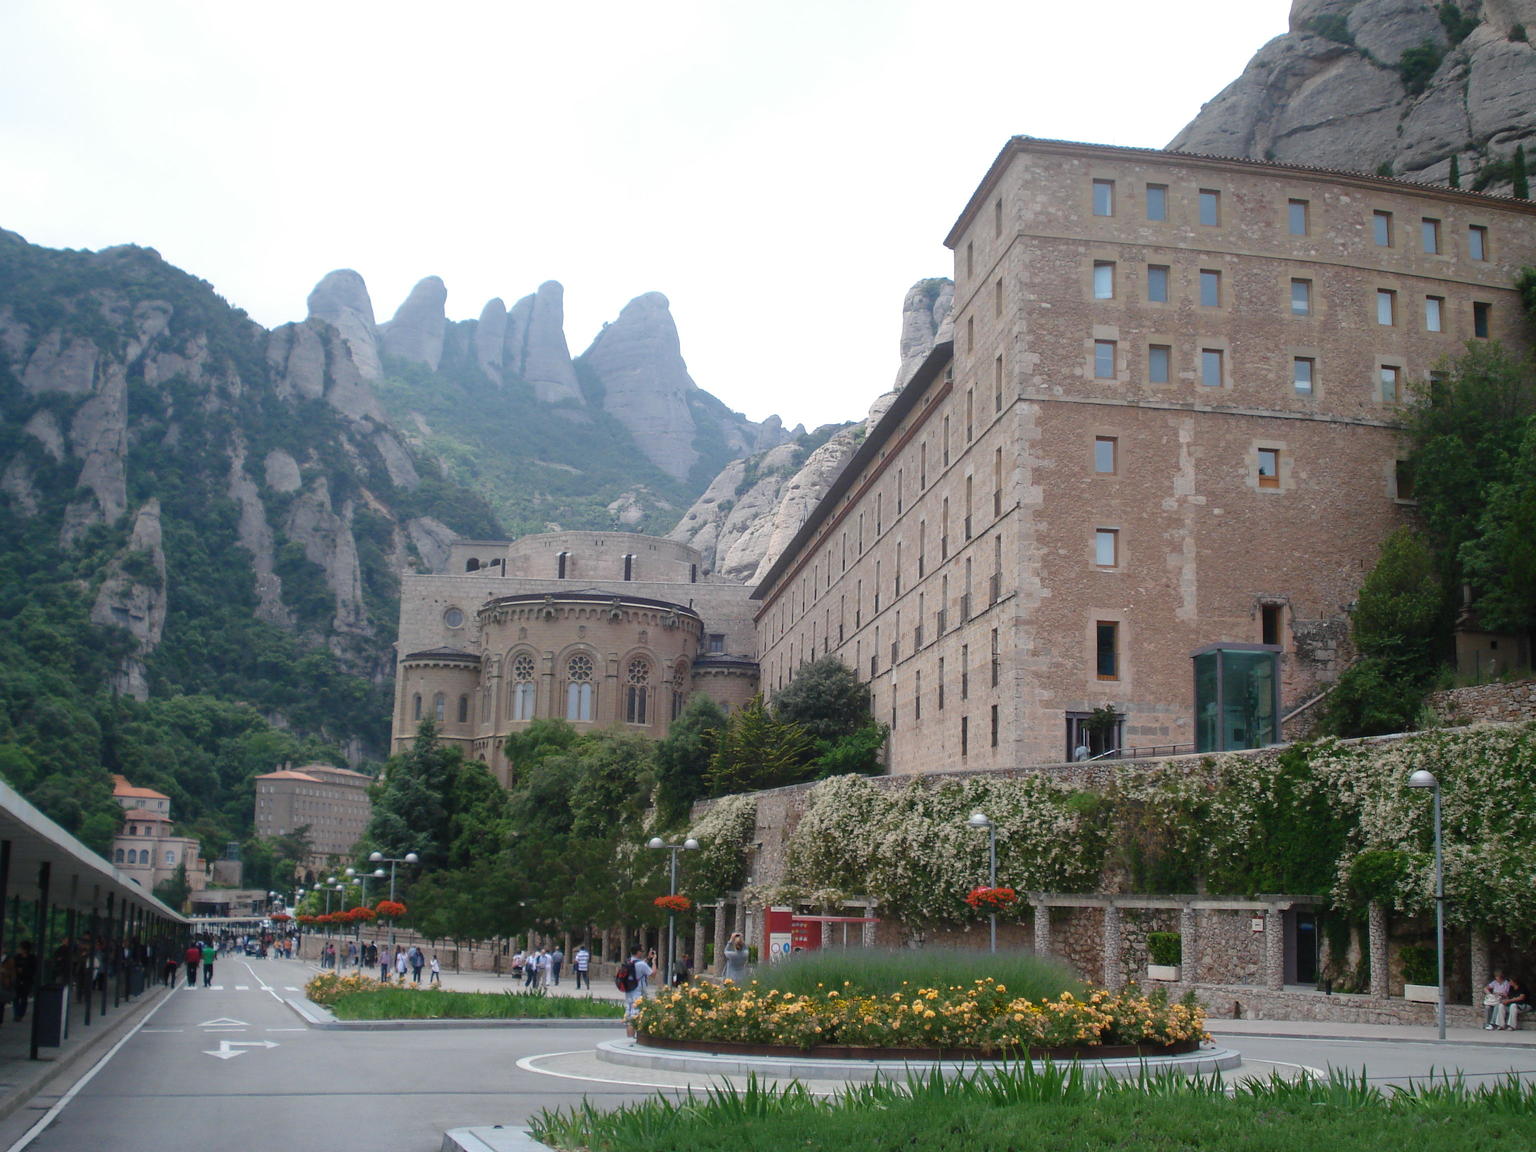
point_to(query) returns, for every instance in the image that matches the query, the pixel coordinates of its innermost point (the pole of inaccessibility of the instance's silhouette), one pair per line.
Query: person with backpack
(632, 979)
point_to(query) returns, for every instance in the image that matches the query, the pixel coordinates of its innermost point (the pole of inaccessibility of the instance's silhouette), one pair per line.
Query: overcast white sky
(782, 172)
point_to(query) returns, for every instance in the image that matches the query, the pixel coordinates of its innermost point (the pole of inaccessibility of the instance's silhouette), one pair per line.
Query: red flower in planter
(390, 909)
(361, 913)
(991, 899)
(673, 903)
(281, 918)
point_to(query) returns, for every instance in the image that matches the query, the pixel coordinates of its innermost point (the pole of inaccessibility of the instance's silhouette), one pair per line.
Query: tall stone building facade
(331, 802)
(146, 847)
(1166, 421)
(604, 629)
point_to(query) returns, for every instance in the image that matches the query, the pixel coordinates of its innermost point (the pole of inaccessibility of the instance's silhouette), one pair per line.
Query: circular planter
(859, 1052)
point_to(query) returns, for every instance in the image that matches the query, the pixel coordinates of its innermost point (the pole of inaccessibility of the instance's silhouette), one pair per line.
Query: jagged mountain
(753, 508)
(1396, 86)
(619, 436)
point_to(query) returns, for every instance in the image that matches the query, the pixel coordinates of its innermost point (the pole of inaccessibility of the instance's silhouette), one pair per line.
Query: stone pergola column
(1376, 930)
(720, 935)
(1481, 965)
(1114, 970)
(1042, 928)
(1189, 944)
(1274, 948)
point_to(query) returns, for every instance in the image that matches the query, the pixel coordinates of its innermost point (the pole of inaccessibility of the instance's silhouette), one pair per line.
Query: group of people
(395, 965)
(18, 980)
(635, 974)
(1504, 998)
(541, 967)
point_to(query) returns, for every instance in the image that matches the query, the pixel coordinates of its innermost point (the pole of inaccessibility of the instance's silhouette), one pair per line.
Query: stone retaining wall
(1511, 702)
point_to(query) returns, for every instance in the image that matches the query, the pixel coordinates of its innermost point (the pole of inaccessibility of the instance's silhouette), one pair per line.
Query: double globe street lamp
(688, 845)
(380, 858)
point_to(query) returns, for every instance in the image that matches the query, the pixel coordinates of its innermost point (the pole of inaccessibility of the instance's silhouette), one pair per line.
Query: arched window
(170, 856)
(133, 856)
(416, 707)
(637, 689)
(472, 565)
(133, 829)
(463, 709)
(117, 856)
(439, 707)
(578, 688)
(524, 691)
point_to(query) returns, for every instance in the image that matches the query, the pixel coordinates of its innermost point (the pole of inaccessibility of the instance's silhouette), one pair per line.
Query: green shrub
(417, 1003)
(883, 971)
(1333, 26)
(1165, 948)
(1458, 25)
(1517, 33)
(1418, 66)
(1419, 964)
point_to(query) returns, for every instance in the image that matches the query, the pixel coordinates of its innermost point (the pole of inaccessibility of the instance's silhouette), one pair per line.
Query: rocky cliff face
(146, 420)
(754, 507)
(1396, 86)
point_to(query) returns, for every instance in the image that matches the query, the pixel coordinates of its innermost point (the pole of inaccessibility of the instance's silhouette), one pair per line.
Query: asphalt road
(235, 1067)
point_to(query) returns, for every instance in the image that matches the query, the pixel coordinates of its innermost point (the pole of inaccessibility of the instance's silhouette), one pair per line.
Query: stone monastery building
(1165, 422)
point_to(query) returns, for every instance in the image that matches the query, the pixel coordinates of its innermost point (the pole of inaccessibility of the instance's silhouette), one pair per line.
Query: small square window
(1210, 207)
(1103, 280)
(1159, 364)
(1157, 201)
(1301, 297)
(1104, 455)
(1107, 649)
(1429, 234)
(1381, 229)
(1481, 315)
(1269, 467)
(1296, 217)
(1477, 242)
(1104, 359)
(1434, 309)
(1212, 367)
(1386, 307)
(1210, 288)
(1402, 480)
(1103, 197)
(1391, 377)
(1106, 547)
(1303, 371)
(1157, 283)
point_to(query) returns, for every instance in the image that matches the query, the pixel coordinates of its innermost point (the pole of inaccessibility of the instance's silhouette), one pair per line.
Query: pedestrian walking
(401, 963)
(582, 962)
(193, 957)
(210, 954)
(632, 979)
(556, 962)
(417, 961)
(437, 972)
(383, 965)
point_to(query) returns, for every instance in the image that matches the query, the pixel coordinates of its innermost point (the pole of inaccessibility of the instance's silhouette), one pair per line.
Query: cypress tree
(1522, 186)
(1455, 172)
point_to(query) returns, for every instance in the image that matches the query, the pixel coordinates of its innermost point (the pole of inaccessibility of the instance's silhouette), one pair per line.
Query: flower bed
(981, 1018)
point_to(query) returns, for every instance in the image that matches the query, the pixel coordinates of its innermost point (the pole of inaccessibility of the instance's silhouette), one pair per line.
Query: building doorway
(1097, 732)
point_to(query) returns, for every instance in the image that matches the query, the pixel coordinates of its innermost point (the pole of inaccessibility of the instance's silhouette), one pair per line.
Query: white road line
(289, 988)
(527, 1065)
(48, 1118)
(163, 1030)
(265, 987)
(285, 1029)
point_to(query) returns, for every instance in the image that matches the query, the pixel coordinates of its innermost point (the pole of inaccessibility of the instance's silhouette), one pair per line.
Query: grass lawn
(438, 1004)
(1023, 1111)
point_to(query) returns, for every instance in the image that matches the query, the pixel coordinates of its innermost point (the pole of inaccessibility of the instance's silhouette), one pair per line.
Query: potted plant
(1165, 953)
(1420, 974)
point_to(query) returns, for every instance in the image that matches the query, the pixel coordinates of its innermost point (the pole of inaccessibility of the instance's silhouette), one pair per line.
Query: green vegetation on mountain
(535, 464)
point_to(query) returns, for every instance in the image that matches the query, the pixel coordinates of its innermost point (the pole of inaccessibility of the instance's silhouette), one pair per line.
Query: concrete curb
(88, 1051)
(1269, 1034)
(494, 1139)
(626, 1052)
(324, 1020)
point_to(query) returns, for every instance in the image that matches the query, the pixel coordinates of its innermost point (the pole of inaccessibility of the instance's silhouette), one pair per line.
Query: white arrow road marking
(229, 1049)
(224, 1022)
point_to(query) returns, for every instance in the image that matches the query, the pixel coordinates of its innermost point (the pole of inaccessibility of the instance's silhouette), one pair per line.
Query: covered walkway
(96, 938)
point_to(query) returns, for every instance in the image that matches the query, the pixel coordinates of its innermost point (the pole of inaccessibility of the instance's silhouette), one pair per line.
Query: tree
(825, 698)
(1520, 181)
(682, 759)
(758, 750)
(1500, 560)
(174, 892)
(1399, 625)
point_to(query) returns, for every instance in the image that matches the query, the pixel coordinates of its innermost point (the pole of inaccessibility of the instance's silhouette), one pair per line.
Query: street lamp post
(380, 858)
(1425, 779)
(981, 820)
(362, 878)
(688, 845)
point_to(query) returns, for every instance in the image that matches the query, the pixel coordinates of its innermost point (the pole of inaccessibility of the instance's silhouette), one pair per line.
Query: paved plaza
(197, 1068)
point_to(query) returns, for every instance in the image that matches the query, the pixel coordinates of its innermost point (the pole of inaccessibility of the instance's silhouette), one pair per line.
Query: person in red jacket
(193, 957)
